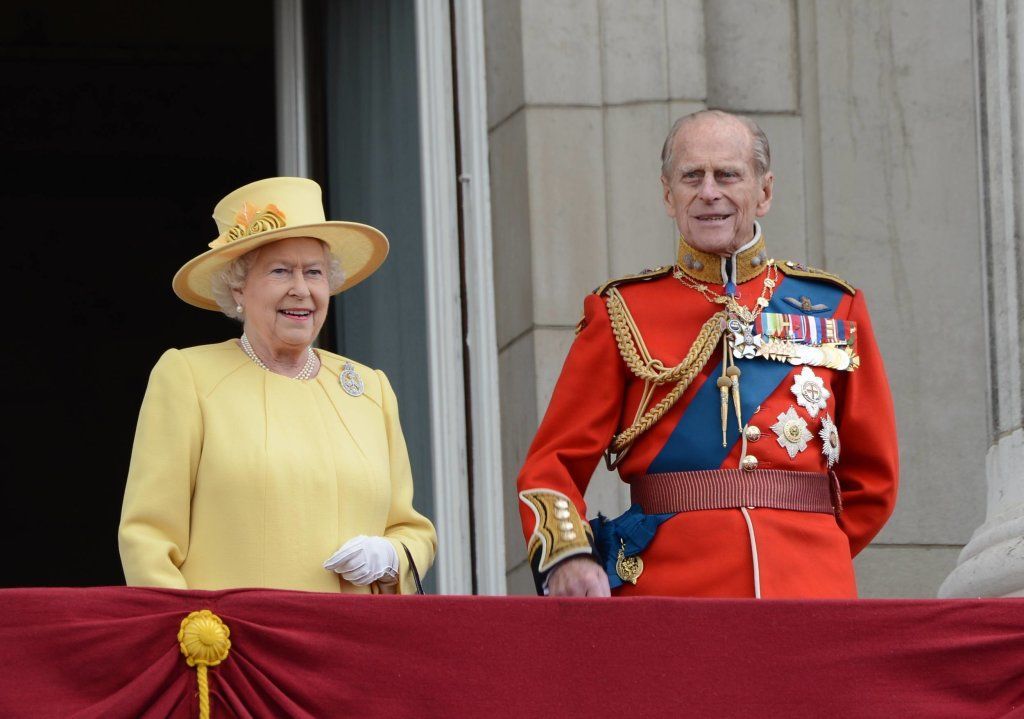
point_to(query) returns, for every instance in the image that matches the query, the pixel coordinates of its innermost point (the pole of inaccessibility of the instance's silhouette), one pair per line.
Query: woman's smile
(297, 315)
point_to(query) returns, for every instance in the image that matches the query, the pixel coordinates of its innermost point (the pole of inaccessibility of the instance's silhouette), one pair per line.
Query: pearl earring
(238, 309)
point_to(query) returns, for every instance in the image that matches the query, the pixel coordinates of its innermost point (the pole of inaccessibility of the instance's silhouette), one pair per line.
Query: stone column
(992, 563)
(580, 96)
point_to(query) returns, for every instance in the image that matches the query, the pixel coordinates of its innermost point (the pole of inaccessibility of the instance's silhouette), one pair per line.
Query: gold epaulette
(648, 274)
(795, 269)
(639, 277)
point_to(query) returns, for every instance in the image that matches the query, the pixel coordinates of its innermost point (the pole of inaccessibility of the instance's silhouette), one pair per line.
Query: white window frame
(444, 299)
(485, 401)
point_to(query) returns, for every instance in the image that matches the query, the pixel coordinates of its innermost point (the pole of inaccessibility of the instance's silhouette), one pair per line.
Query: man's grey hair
(762, 155)
(233, 277)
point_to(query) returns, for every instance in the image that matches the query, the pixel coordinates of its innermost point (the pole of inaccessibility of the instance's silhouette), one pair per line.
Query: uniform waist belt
(732, 488)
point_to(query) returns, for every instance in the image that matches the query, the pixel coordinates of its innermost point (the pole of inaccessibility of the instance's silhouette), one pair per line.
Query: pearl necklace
(305, 373)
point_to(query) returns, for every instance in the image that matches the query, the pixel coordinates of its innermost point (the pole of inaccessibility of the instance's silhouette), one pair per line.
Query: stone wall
(992, 563)
(871, 115)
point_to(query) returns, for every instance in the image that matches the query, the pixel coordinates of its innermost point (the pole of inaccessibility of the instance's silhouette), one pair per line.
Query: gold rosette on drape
(203, 639)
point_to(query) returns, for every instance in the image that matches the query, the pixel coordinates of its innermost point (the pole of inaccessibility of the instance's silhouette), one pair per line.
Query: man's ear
(666, 197)
(767, 186)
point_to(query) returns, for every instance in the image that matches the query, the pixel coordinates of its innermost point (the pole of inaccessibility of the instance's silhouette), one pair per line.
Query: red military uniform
(807, 427)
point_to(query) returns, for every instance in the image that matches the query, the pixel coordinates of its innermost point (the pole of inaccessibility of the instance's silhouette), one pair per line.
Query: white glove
(363, 560)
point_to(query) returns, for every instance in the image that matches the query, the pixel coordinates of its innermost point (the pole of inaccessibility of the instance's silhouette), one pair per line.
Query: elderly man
(742, 399)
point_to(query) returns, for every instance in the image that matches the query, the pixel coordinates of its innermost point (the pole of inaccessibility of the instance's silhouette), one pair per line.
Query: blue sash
(696, 442)
(631, 531)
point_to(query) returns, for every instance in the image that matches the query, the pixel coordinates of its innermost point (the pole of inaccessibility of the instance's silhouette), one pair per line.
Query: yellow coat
(244, 478)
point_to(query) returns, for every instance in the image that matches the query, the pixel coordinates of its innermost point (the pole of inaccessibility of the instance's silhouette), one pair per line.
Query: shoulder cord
(652, 371)
(625, 339)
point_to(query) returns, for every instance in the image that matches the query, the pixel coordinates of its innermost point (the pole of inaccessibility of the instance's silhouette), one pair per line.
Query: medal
(350, 380)
(629, 569)
(810, 391)
(828, 355)
(810, 341)
(791, 431)
(745, 343)
(829, 440)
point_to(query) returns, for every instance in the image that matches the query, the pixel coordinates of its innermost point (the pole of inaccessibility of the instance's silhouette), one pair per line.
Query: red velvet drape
(112, 652)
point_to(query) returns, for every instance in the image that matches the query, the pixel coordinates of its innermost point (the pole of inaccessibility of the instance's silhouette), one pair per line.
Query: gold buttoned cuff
(558, 533)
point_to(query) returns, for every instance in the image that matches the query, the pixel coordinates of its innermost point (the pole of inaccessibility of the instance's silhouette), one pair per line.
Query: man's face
(714, 193)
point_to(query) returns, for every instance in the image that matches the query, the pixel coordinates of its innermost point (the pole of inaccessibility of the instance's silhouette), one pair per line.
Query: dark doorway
(121, 126)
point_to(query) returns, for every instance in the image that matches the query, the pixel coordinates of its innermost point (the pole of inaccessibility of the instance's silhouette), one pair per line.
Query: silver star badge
(810, 391)
(829, 440)
(791, 430)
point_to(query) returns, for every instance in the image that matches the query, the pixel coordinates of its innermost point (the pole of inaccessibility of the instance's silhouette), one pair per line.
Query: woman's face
(286, 294)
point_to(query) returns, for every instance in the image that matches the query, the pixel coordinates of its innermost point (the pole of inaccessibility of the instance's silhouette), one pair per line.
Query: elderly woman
(260, 461)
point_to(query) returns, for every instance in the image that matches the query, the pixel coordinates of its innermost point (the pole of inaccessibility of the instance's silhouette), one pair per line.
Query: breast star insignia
(791, 431)
(810, 391)
(829, 440)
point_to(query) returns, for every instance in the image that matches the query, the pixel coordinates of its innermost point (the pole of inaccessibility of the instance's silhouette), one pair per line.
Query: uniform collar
(744, 264)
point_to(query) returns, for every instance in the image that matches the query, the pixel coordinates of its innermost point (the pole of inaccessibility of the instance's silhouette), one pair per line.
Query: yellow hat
(274, 209)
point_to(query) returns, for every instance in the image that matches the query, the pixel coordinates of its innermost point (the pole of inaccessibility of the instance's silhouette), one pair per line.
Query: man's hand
(578, 577)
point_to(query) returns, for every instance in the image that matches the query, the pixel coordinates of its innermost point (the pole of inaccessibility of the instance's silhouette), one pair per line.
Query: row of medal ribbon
(813, 331)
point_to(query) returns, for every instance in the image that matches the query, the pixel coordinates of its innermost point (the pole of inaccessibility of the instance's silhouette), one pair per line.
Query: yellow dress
(244, 478)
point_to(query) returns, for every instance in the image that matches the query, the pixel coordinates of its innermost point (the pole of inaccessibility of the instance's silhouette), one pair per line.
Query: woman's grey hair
(233, 277)
(762, 154)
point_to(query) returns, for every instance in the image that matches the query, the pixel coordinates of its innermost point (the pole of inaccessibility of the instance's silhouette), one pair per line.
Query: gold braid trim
(653, 371)
(558, 531)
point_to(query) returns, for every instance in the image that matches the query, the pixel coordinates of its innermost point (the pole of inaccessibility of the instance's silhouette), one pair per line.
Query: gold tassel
(734, 373)
(203, 639)
(723, 388)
